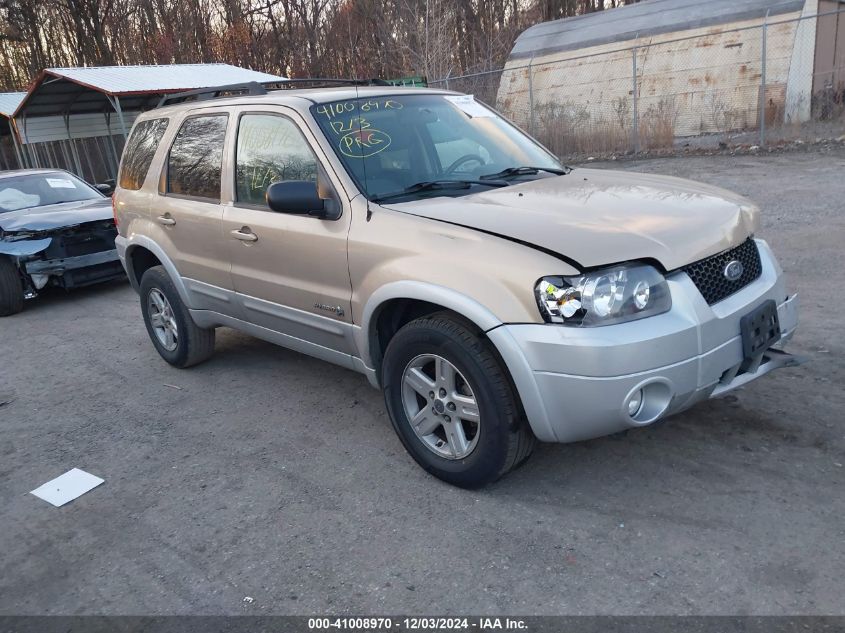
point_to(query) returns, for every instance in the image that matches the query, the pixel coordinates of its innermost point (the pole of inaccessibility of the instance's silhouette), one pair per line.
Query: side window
(196, 157)
(139, 152)
(270, 149)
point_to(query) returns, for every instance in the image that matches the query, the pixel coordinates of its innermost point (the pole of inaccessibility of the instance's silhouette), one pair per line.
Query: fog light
(635, 402)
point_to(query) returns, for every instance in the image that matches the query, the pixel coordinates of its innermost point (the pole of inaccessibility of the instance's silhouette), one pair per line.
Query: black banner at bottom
(422, 624)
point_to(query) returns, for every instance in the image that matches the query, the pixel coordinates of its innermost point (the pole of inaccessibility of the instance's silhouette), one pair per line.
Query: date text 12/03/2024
(417, 624)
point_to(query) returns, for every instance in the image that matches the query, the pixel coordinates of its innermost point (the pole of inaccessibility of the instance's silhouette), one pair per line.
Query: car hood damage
(30, 231)
(56, 216)
(596, 217)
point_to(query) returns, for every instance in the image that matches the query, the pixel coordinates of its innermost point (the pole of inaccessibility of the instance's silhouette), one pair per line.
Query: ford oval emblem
(733, 270)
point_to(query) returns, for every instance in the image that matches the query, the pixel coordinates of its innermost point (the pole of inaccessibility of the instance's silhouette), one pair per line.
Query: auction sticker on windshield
(60, 183)
(469, 105)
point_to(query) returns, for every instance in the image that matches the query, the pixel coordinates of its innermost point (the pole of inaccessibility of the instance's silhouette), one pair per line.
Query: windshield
(393, 143)
(39, 190)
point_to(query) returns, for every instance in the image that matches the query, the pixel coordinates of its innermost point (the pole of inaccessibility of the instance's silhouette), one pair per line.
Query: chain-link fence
(754, 84)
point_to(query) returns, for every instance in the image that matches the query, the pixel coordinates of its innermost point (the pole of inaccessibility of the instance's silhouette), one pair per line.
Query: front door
(290, 272)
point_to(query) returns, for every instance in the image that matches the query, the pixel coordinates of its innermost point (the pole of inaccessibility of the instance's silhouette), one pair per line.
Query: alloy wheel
(162, 319)
(441, 406)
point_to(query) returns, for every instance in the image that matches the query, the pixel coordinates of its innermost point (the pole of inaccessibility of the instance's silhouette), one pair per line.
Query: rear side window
(196, 157)
(139, 152)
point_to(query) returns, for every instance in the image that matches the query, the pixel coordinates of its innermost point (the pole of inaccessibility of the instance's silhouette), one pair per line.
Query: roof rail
(201, 94)
(329, 80)
(256, 88)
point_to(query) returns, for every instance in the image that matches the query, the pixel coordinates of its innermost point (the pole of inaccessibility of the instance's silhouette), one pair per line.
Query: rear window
(196, 157)
(139, 152)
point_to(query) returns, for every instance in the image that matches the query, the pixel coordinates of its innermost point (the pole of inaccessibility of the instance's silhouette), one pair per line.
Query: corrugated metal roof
(9, 102)
(649, 17)
(117, 80)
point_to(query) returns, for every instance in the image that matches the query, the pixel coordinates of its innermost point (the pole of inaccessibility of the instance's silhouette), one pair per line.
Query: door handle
(244, 235)
(166, 220)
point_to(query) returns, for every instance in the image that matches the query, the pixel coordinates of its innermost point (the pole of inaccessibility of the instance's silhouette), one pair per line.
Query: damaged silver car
(55, 230)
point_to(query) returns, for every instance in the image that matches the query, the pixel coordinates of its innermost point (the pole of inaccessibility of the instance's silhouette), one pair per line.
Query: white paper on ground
(74, 483)
(468, 104)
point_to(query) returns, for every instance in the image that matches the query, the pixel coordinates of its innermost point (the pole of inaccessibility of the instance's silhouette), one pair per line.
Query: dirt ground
(269, 475)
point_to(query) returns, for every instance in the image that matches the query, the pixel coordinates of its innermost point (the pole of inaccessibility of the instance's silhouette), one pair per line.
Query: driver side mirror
(105, 188)
(299, 197)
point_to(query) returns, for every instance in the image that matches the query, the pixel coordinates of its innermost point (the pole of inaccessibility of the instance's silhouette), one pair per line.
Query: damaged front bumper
(60, 266)
(76, 272)
(70, 257)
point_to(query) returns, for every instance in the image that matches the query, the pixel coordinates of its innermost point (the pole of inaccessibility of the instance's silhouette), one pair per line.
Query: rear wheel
(452, 404)
(11, 288)
(176, 337)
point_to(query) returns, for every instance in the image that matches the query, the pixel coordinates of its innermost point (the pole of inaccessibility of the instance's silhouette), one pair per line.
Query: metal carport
(78, 118)
(10, 155)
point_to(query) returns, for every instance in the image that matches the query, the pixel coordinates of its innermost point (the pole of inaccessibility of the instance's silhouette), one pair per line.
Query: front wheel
(11, 288)
(452, 404)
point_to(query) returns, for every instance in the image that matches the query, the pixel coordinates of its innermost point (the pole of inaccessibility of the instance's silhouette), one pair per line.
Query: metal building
(10, 156)
(78, 118)
(699, 67)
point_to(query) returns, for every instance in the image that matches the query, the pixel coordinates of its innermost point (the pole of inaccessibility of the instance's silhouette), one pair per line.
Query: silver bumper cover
(575, 383)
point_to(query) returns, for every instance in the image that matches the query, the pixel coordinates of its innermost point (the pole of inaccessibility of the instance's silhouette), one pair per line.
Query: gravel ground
(267, 474)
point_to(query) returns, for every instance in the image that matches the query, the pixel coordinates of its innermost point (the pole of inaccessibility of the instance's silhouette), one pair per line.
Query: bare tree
(298, 38)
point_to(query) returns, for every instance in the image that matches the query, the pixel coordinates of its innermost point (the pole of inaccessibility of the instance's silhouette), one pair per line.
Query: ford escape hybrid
(494, 295)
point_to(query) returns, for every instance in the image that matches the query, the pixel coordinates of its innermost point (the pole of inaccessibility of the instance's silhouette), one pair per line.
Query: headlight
(612, 295)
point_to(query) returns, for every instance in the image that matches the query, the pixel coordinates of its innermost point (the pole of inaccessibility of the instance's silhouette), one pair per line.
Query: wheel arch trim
(141, 241)
(483, 318)
(419, 291)
(525, 383)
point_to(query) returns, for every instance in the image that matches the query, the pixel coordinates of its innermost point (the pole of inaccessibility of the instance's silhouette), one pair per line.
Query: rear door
(290, 273)
(188, 213)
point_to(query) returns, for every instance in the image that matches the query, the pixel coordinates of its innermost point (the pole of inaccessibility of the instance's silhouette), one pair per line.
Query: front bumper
(575, 383)
(62, 265)
(79, 270)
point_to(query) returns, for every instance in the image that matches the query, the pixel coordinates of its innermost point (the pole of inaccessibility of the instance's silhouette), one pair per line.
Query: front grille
(708, 275)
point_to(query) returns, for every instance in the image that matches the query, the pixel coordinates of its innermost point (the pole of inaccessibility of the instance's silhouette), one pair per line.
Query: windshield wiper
(438, 185)
(524, 171)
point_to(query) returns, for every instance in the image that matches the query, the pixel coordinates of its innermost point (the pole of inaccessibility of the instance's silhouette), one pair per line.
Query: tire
(11, 288)
(500, 441)
(191, 344)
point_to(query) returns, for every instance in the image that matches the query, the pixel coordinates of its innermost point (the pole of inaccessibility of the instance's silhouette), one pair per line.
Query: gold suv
(416, 236)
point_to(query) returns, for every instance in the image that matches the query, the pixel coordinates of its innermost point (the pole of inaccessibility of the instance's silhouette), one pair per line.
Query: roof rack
(256, 88)
(201, 94)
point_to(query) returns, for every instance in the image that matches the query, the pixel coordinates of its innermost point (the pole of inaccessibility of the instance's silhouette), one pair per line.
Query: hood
(598, 217)
(56, 216)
